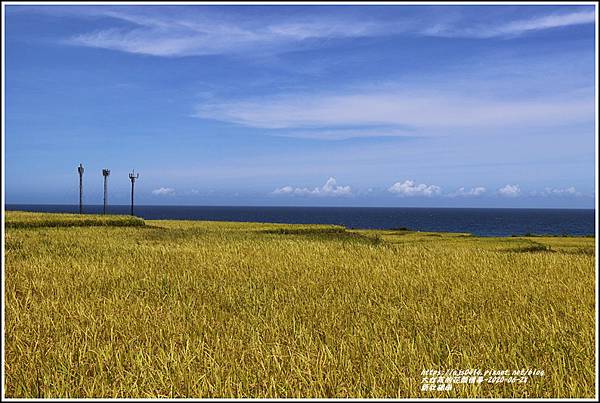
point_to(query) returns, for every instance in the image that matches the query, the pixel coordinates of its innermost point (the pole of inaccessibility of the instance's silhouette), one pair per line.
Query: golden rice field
(118, 307)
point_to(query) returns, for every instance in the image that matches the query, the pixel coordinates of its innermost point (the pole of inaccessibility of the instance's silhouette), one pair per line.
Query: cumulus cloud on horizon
(410, 188)
(330, 188)
(509, 191)
(570, 191)
(462, 192)
(163, 191)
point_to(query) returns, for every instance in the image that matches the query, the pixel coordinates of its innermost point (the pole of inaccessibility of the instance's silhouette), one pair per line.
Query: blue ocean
(477, 221)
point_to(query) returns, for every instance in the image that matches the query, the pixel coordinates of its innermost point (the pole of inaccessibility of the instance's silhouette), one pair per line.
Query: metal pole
(133, 176)
(80, 170)
(105, 191)
(132, 182)
(105, 173)
(80, 193)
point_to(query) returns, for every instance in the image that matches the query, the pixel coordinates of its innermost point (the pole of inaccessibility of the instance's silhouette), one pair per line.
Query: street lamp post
(133, 176)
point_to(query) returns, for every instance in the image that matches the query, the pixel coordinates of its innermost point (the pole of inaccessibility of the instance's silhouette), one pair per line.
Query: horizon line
(298, 206)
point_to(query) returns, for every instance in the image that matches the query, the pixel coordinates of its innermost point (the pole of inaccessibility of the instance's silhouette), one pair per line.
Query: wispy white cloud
(197, 34)
(326, 28)
(175, 34)
(410, 188)
(513, 28)
(396, 108)
(550, 21)
(330, 188)
(462, 192)
(336, 133)
(163, 192)
(509, 191)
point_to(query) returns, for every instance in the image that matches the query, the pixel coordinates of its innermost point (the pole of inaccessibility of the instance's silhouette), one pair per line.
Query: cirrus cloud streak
(198, 31)
(396, 108)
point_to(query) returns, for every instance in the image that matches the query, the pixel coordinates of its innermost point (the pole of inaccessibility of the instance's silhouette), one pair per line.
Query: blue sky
(449, 106)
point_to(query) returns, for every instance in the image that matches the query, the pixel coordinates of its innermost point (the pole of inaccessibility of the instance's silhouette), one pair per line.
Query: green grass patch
(326, 233)
(534, 247)
(316, 230)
